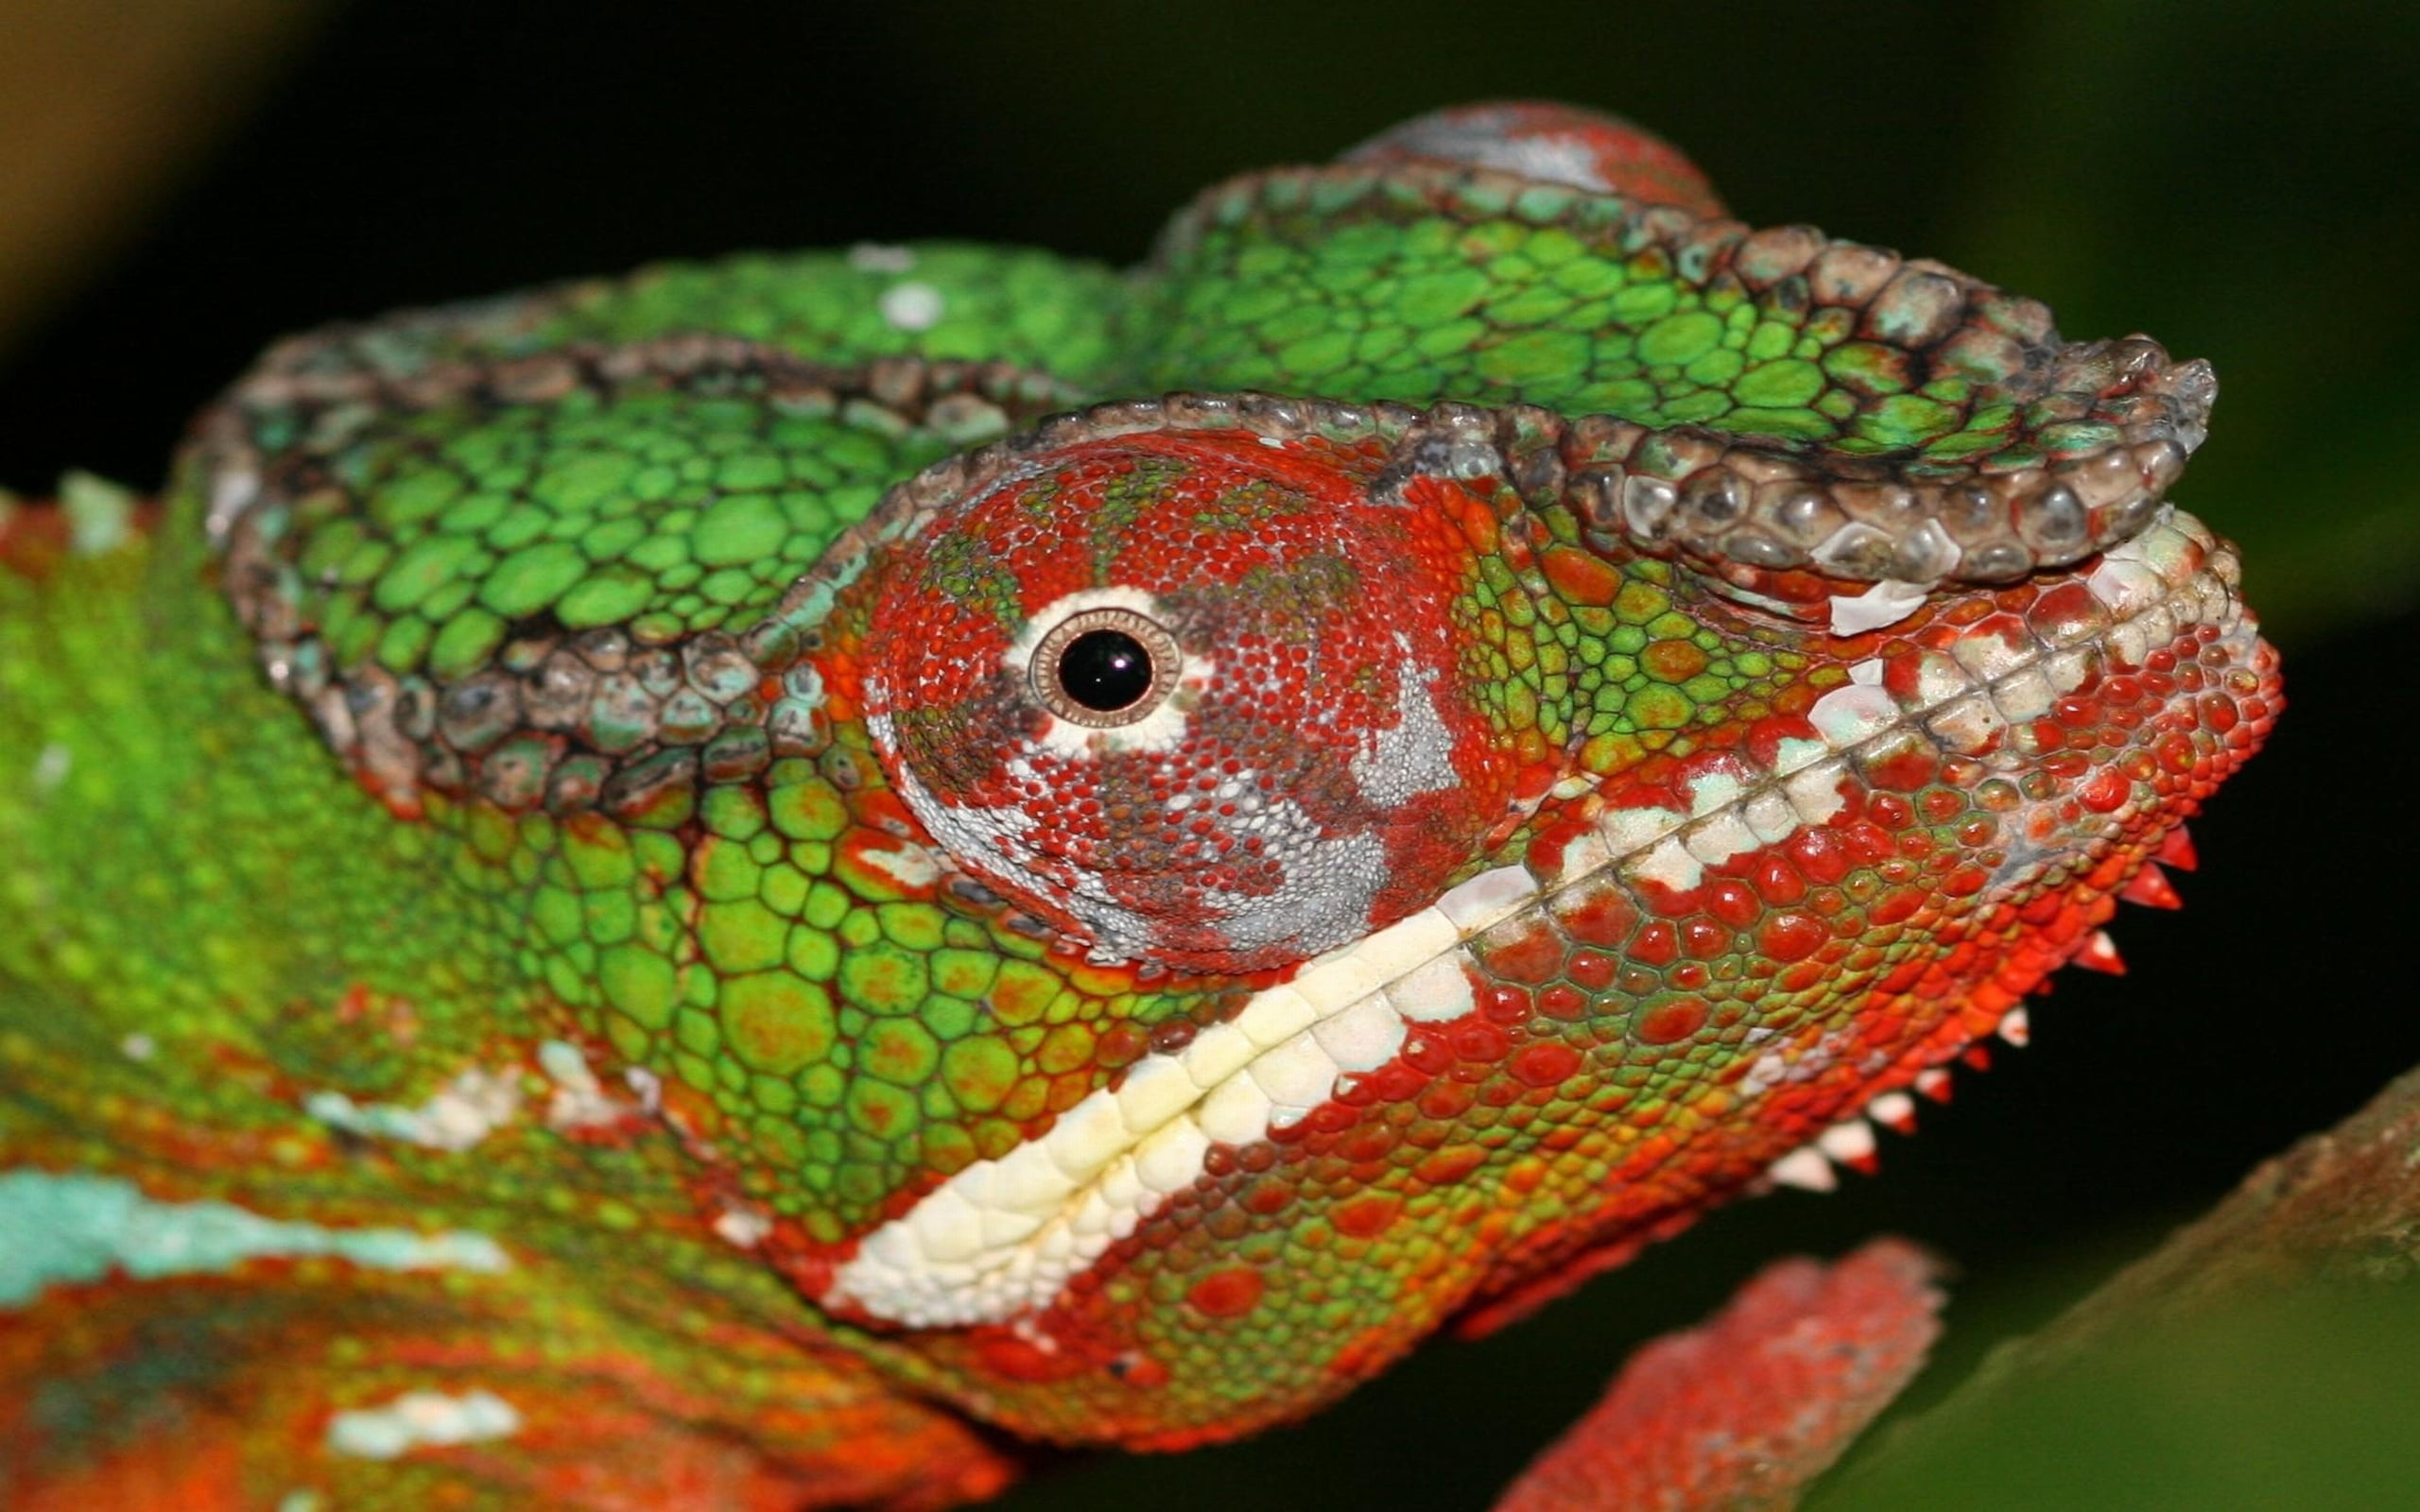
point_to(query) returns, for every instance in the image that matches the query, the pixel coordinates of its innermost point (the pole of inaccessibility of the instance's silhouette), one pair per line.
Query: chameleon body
(678, 888)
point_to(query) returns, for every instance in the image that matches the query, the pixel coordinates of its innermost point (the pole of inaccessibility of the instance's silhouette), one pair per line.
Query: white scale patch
(1879, 606)
(1856, 711)
(911, 306)
(72, 1230)
(1727, 819)
(1415, 754)
(997, 835)
(1001, 1237)
(742, 1227)
(579, 1100)
(910, 866)
(1330, 881)
(100, 515)
(419, 1419)
(469, 1108)
(232, 492)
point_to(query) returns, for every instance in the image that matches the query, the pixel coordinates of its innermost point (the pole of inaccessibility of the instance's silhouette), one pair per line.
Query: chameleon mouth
(1001, 1237)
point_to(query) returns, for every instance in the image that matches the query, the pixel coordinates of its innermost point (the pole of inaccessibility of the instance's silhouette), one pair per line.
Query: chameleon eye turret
(1546, 143)
(1184, 694)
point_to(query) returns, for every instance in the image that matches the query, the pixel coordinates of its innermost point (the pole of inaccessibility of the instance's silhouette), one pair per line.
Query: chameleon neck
(264, 1042)
(328, 1032)
(131, 711)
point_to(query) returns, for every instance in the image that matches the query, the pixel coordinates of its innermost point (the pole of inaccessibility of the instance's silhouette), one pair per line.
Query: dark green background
(2235, 178)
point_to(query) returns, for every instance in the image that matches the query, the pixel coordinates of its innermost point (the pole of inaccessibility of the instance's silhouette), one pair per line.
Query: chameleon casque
(677, 890)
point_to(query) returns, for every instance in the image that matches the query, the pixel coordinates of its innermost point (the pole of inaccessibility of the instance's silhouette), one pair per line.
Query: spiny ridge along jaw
(1001, 1237)
(1814, 1166)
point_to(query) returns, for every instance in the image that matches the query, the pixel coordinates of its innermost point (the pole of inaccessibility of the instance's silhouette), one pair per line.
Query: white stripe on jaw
(1002, 1236)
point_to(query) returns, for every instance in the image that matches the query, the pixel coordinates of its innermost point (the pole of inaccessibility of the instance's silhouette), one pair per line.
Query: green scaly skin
(512, 873)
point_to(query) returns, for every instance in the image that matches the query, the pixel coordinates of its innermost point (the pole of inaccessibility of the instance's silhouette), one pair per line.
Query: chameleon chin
(748, 884)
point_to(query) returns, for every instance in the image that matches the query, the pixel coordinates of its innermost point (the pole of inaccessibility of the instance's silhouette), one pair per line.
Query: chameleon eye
(1103, 668)
(1191, 694)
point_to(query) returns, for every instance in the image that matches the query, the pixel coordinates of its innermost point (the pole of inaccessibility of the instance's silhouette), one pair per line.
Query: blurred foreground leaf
(2266, 1356)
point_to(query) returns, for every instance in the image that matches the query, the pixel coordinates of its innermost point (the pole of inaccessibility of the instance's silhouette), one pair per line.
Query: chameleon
(767, 883)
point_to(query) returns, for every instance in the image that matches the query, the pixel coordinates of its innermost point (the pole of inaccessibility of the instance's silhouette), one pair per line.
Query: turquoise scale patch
(74, 1229)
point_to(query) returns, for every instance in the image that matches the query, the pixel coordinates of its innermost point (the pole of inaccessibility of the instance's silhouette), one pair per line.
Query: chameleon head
(1159, 912)
(1788, 750)
(1759, 848)
(1190, 698)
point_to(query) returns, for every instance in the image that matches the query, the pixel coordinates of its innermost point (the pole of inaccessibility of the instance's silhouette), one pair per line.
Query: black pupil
(1105, 670)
